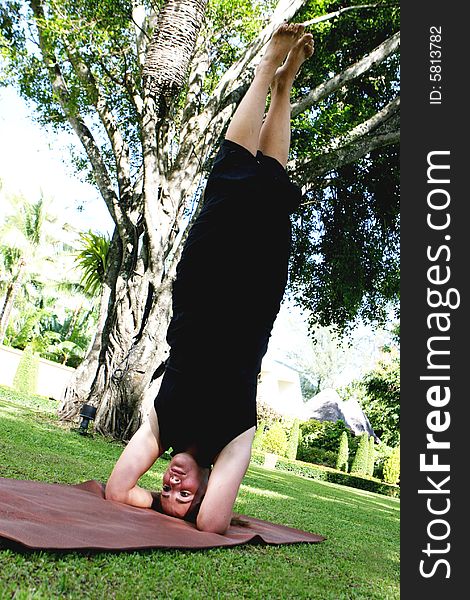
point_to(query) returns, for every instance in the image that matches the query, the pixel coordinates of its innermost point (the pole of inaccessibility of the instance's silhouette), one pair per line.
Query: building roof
(327, 405)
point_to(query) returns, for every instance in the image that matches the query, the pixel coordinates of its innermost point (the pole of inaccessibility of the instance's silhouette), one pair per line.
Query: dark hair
(190, 516)
(236, 520)
(156, 502)
(193, 511)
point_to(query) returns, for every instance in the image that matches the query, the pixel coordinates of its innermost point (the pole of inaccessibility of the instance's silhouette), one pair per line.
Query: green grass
(360, 558)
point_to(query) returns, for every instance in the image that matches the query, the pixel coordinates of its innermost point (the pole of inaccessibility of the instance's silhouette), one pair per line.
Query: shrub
(360, 462)
(275, 439)
(320, 473)
(323, 434)
(353, 443)
(320, 441)
(332, 433)
(293, 443)
(371, 456)
(26, 376)
(267, 415)
(382, 399)
(258, 439)
(311, 432)
(391, 470)
(382, 452)
(317, 456)
(343, 453)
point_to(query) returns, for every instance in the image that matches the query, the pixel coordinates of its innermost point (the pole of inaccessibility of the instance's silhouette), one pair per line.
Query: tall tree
(117, 74)
(381, 401)
(28, 238)
(320, 361)
(41, 299)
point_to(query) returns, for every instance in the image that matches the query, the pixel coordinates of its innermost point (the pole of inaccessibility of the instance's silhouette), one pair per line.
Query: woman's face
(181, 481)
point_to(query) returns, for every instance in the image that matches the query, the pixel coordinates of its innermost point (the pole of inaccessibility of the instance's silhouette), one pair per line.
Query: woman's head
(184, 485)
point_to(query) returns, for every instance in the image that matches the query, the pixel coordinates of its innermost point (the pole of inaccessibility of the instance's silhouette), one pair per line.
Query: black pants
(228, 289)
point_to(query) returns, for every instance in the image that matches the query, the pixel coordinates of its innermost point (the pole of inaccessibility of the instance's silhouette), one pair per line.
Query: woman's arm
(224, 482)
(137, 458)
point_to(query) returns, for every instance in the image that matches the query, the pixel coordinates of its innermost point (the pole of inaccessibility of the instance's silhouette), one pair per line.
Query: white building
(278, 385)
(279, 388)
(52, 377)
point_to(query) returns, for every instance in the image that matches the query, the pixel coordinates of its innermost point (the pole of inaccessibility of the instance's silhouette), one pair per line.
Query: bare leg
(246, 123)
(274, 139)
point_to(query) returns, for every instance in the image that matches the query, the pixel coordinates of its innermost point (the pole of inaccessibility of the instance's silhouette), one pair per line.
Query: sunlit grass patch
(359, 559)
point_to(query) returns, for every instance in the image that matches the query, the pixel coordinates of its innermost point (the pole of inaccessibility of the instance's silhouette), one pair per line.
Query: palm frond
(92, 259)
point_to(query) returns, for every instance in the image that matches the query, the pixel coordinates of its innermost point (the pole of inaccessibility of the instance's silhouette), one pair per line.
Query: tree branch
(199, 131)
(120, 147)
(127, 82)
(199, 67)
(366, 127)
(379, 54)
(284, 11)
(60, 90)
(234, 82)
(337, 13)
(142, 38)
(148, 180)
(151, 180)
(306, 173)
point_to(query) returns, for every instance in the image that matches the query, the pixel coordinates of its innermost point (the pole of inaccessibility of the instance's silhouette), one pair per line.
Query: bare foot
(299, 53)
(282, 42)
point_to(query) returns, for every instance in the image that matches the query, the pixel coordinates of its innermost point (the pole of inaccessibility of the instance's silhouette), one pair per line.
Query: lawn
(360, 558)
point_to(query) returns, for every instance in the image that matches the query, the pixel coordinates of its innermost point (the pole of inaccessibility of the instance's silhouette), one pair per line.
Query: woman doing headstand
(229, 284)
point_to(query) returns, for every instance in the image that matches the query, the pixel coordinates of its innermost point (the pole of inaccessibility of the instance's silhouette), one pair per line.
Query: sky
(290, 336)
(33, 160)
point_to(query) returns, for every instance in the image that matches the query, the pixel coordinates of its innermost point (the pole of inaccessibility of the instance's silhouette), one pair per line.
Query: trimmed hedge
(26, 376)
(275, 439)
(371, 457)
(342, 460)
(392, 467)
(320, 473)
(259, 433)
(360, 463)
(317, 456)
(293, 444)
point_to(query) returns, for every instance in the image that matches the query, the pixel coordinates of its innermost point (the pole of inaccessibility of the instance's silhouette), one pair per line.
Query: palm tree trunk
(10, 297)
(171, 48)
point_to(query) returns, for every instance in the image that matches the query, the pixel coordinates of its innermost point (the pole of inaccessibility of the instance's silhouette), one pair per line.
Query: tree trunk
(128, 347)
(10, 296)
(126, 382)
(136, 302)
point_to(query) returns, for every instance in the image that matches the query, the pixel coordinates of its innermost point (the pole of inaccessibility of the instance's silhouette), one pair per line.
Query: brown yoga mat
(50, 516)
